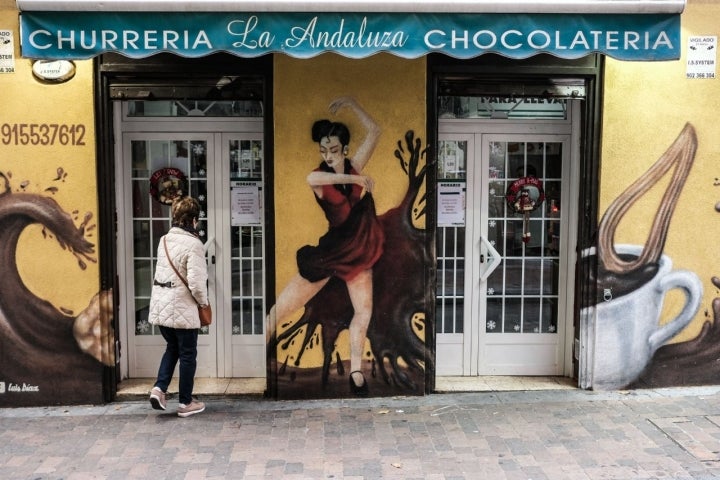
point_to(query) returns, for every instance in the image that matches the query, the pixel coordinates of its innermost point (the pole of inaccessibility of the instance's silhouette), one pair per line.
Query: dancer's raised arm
(372, 131)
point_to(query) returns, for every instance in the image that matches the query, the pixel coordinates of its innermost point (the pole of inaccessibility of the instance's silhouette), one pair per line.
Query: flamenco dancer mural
(48, 355)
(366, 274)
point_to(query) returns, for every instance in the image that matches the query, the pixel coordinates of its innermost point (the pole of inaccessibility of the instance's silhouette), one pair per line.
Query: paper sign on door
(246, 203)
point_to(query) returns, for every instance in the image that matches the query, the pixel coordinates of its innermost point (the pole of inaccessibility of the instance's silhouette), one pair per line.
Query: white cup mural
(622, 331)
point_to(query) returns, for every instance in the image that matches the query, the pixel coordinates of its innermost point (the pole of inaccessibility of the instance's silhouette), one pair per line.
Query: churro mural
(366, 275)
(48, 354)
(622, 326)
(629, 345)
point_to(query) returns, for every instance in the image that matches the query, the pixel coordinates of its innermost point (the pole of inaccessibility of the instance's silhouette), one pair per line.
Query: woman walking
(174, 307)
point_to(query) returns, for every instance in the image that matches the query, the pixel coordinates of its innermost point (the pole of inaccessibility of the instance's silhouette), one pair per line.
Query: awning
(80, 29)
(402, 6)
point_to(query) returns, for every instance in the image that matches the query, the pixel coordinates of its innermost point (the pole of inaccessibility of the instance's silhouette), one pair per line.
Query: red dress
(354, 241)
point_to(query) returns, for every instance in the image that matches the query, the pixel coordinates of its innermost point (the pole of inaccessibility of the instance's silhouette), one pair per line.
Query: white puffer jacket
(174, 306)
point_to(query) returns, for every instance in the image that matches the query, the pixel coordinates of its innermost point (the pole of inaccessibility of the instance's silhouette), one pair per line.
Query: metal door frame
(478, 127)
(168, 126)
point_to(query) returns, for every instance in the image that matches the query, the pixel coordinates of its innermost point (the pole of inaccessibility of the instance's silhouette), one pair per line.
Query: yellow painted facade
(47, 270)
(646, 106)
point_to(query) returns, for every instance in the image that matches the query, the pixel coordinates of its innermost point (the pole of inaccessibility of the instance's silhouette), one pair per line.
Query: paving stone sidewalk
(552, 435)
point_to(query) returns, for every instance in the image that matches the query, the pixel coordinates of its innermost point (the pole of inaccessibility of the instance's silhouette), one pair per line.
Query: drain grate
(697, 435)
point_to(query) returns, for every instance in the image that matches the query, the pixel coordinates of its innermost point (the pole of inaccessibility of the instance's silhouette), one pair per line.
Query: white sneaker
(190, 409)
(157, 399)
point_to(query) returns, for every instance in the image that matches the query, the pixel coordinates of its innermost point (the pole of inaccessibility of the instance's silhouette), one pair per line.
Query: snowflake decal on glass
(491, 325)
(491, 291)
(551, 329)
(142, 326)
(201, 198)
(198, 149)
(201, 172)
(492, 224)
(536, 330)
(516, 328)
(201, 233)
(236, 329)
(202, 214)
(492, 191)
(205, 329)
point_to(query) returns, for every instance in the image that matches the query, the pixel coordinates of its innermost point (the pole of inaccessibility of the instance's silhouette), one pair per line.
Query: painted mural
(49, 355)
(629, 344)
(366, 275)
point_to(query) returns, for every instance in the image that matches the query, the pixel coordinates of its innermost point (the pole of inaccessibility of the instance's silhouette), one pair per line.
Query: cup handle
(691, 285)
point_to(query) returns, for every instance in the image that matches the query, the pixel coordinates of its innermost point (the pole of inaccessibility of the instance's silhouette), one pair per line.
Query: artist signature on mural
(18, 388)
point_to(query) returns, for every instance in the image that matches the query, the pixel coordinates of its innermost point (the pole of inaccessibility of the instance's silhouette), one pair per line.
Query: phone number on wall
(42, 134)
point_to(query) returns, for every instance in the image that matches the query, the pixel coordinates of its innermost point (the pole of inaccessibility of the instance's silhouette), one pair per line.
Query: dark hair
(184, 211)
(326, 128)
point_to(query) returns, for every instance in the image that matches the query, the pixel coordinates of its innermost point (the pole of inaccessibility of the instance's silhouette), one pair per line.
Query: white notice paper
(246, 203)
(7, 52)
(451, 204)
(701, 57)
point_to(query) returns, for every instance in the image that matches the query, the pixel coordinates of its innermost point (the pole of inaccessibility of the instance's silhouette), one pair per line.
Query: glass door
(242, 260)
(520, 301)
(503, 277)
(156, 163)
(455, 200)
(224, 171)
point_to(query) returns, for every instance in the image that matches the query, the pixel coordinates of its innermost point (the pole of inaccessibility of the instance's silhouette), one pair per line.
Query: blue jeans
(181, 345)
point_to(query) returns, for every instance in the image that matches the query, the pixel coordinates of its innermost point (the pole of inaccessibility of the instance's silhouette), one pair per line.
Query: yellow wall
(47, 270)
(646, 106)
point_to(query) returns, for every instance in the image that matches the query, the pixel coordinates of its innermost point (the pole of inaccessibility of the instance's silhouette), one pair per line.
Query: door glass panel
(494, 315)
(532, 280)
(495, 282)
(512, 319)
(549, 315)
(141, 198)
(522, 294)
(142, 326)
(513, 277)
(247, 257)
(151, 218)
(450, 279)
(450, 244)
(496, 198)
(531, 315)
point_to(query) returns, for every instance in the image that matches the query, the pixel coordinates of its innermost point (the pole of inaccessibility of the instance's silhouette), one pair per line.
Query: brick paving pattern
(550, 435)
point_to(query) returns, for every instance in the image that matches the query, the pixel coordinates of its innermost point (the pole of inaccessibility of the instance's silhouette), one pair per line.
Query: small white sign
(7, 52)
(451, 204)
(701, 57)
(57, 71)
(246, 203)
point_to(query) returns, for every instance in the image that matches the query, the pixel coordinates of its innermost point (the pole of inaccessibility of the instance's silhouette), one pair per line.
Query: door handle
(210, 249)
(210, 243)
(493, 261)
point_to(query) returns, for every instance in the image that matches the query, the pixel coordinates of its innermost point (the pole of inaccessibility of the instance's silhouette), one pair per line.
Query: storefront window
(195, 108)
(502, 107)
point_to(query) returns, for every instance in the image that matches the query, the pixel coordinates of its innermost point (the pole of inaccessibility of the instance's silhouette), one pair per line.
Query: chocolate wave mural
(48, 355)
